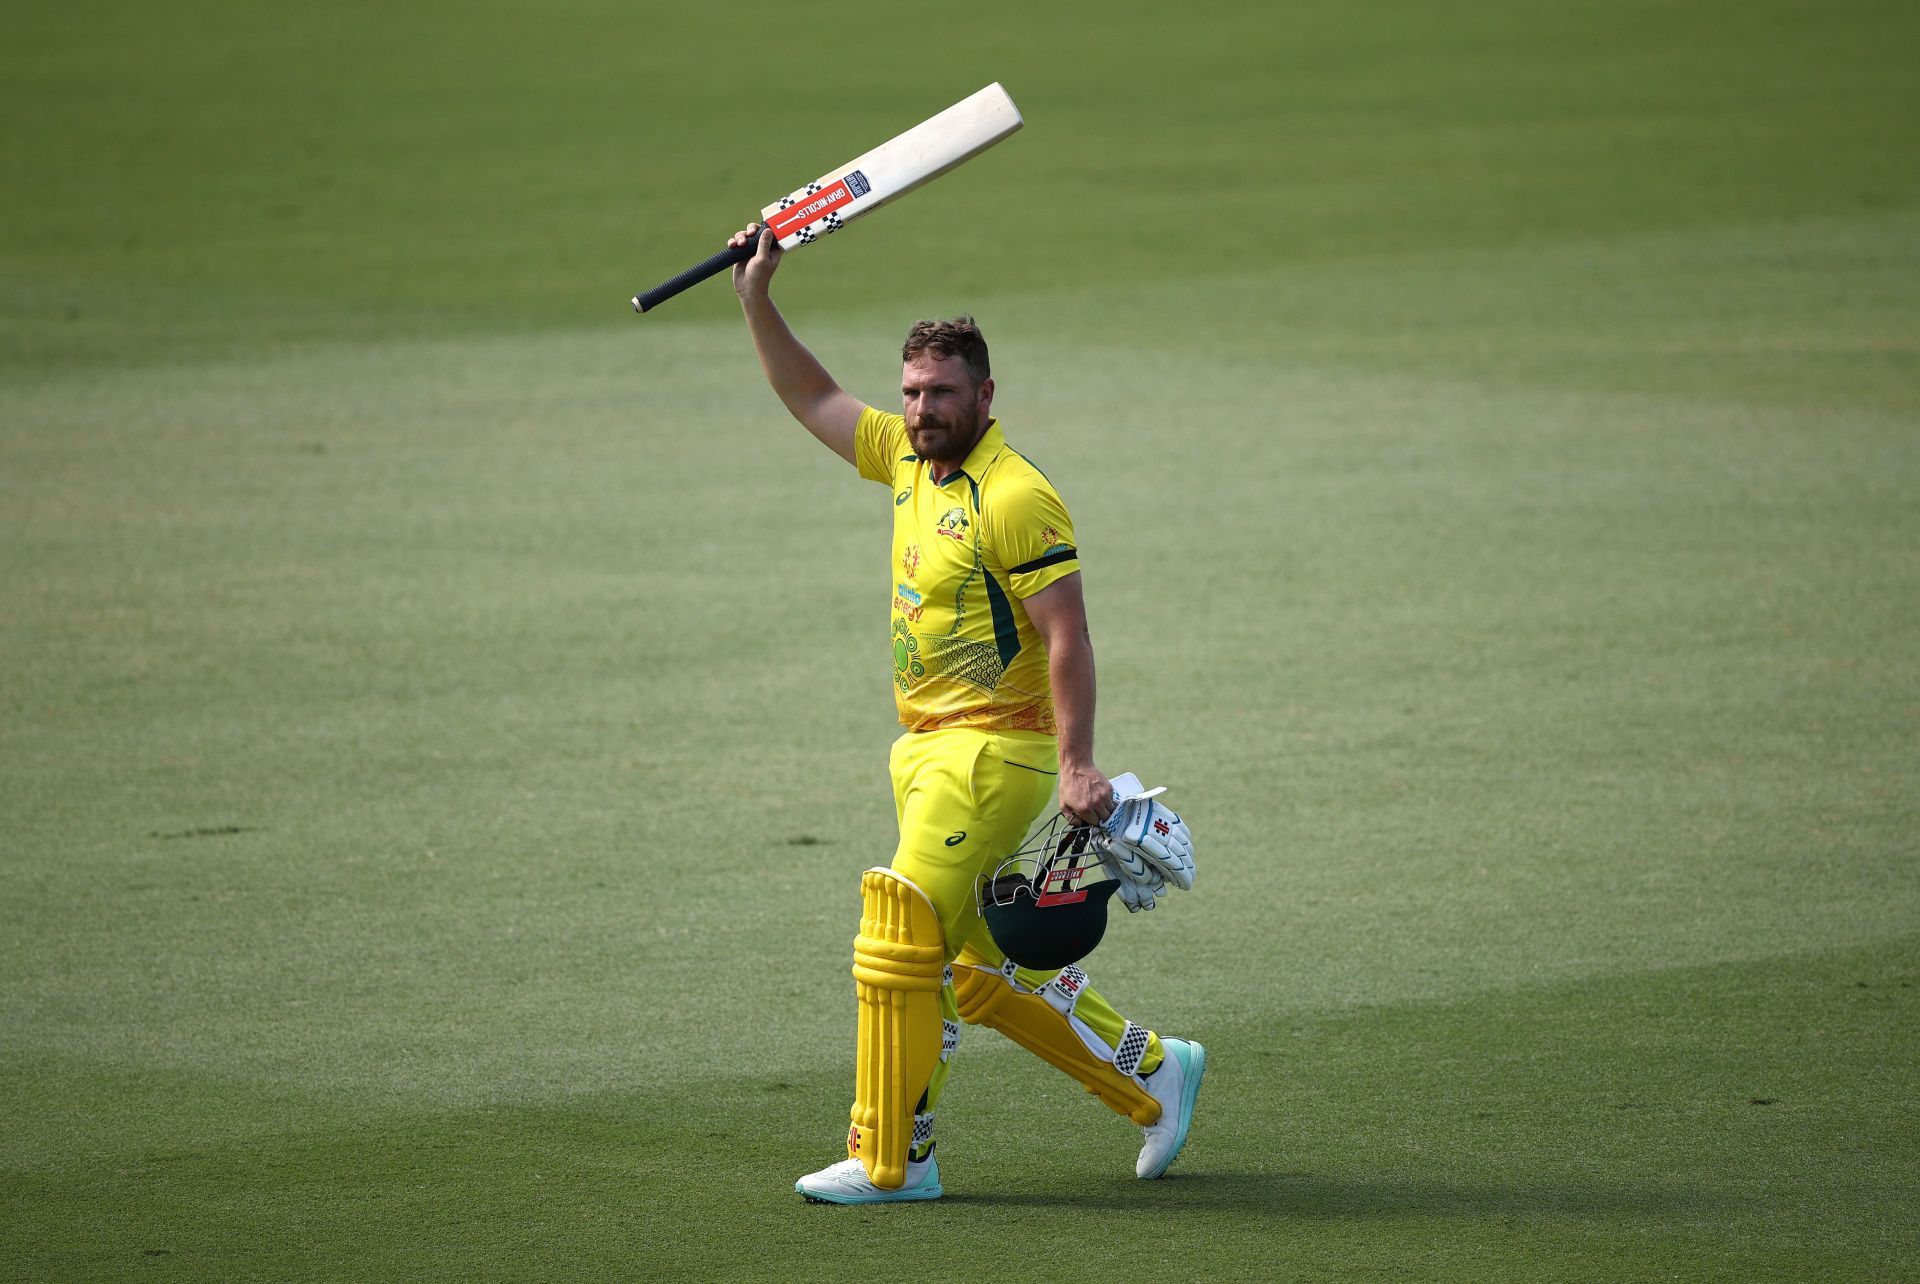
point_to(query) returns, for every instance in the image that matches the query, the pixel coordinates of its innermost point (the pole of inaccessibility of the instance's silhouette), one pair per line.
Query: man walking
(993, 677)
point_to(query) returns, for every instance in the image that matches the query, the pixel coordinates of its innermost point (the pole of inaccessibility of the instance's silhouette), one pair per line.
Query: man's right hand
(753, 276)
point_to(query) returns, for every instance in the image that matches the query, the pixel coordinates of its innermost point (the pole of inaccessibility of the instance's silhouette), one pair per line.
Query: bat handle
(694, 275)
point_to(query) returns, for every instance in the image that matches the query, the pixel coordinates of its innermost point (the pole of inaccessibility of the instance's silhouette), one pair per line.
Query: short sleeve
(1033, 534)
(879, 441)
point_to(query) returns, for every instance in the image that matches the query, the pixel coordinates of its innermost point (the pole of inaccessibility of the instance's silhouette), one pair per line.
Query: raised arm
(1059, 615)
(802, 383)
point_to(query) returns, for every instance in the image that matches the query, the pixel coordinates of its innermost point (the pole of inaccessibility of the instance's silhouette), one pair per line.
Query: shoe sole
(892, 1197)
(1195, 1071)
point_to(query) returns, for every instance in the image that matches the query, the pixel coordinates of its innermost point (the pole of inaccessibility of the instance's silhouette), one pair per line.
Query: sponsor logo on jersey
(903, 497)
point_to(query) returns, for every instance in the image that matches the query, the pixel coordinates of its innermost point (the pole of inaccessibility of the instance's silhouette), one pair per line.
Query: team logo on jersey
(910, 561)
(954, 525)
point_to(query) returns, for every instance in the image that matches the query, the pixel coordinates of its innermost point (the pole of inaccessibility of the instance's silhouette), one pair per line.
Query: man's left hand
(1086, 795)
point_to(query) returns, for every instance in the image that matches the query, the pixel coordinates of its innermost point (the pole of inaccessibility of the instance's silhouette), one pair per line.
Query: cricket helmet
(1046, 905)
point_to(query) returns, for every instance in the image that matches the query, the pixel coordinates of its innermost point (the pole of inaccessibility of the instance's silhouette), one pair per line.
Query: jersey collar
(991, 443)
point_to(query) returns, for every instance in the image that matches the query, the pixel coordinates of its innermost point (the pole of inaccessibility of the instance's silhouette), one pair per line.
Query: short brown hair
(959, 337)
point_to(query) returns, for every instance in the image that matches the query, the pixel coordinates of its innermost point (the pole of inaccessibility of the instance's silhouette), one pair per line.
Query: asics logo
(903, 497)
(957, 839)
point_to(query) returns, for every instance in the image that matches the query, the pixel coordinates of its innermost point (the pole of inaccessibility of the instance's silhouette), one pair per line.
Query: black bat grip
(696, 274)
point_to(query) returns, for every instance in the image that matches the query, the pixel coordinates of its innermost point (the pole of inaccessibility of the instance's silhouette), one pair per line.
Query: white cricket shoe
(1174, 1084)
(846, 1183)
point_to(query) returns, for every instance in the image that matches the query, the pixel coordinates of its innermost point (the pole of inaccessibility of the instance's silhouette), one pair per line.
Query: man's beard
(938, 439)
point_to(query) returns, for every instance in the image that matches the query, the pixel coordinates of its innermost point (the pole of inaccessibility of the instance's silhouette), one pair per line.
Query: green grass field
(445, 714)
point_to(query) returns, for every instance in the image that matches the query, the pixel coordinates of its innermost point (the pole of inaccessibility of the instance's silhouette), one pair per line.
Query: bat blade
(894, 168)
(867, 182)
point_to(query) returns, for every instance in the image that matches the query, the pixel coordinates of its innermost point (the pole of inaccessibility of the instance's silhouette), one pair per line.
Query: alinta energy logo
(906, 600)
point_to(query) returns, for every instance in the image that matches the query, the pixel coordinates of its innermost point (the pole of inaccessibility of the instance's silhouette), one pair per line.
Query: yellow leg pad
(1029, 1020)
(899, 962)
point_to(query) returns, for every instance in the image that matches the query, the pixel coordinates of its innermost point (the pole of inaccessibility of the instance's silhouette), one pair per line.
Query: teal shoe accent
(1193, 1068)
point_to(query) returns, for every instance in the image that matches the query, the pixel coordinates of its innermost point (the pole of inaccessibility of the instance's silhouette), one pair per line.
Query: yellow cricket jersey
(965, 551)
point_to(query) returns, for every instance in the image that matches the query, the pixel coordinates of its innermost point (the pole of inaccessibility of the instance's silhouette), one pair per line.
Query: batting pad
(1042, 1021)
(899, 966)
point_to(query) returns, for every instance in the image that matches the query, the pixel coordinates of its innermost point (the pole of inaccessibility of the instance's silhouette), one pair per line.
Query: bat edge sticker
(809, 207)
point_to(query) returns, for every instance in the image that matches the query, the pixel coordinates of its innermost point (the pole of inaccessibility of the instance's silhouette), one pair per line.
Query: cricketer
(994, 680)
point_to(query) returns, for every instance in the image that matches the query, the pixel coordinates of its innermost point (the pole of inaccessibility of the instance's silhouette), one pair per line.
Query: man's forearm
(1060, 615)
(796, 376)
(1070, 666)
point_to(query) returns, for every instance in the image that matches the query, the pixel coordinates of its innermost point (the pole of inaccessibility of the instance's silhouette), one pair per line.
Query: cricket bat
(866, 182)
